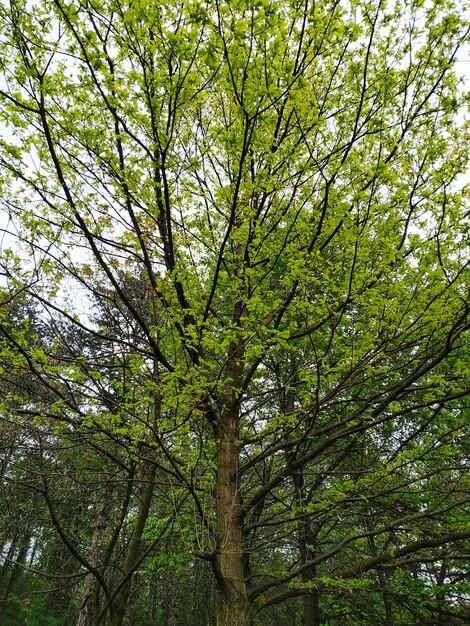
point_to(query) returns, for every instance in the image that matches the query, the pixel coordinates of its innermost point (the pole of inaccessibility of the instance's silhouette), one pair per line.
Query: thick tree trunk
(85, 615)
(233, 612)
(232, 605)
(311, 604)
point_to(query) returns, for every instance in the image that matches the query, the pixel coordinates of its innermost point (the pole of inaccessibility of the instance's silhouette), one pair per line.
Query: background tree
(266, 198)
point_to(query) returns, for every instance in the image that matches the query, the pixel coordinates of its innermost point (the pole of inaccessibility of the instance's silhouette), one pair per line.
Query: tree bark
(18, 565)
(173, 601)
(312, 615)
(119, 605)
(7, 564)
(386, 596)
(88, 610)
(232, 603)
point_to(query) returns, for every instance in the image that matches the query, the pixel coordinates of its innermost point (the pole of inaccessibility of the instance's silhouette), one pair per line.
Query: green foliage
(244, 232)
(33, 609)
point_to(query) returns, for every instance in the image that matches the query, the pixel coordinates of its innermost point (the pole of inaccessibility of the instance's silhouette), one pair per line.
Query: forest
(234, 313)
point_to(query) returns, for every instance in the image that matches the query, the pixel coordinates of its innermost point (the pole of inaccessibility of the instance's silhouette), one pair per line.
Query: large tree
(266, 198)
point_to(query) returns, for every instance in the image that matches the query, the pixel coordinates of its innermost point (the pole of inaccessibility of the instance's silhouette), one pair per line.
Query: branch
(284, 593)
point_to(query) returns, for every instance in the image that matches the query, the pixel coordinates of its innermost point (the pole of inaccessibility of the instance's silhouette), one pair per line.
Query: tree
(55, 465)
(268, 194)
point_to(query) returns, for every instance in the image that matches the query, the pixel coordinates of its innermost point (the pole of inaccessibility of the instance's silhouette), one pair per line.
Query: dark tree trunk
(18, 566)
(119, 604)
(232, 603)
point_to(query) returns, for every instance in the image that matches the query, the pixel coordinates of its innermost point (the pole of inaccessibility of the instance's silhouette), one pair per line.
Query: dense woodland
(234, 313)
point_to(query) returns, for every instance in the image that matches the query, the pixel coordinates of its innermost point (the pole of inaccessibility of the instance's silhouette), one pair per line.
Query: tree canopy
(234, 313)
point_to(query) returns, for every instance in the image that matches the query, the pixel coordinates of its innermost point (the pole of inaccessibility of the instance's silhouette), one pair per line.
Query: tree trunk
(233, 612)
(386, 595)
(88, 610)
(85, 615)
(173, 601)
(7, 565)
(119, 605)
(311, 602)
(18, 565)
(154, 598)
(387, 599)
(440, 597)
(311, 605)
(312, 615)
(232, 605)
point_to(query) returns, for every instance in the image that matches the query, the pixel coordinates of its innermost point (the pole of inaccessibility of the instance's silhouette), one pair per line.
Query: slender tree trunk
(232, 605)
(121, 599)
(387, 599)
(154, 598)
(7, 565)
(386, 595)
(312, 615)
(18, 565)
(311, 601)
(88, 610)
(440, 597)
(210, 603)
(119, 605)
(173, 598)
